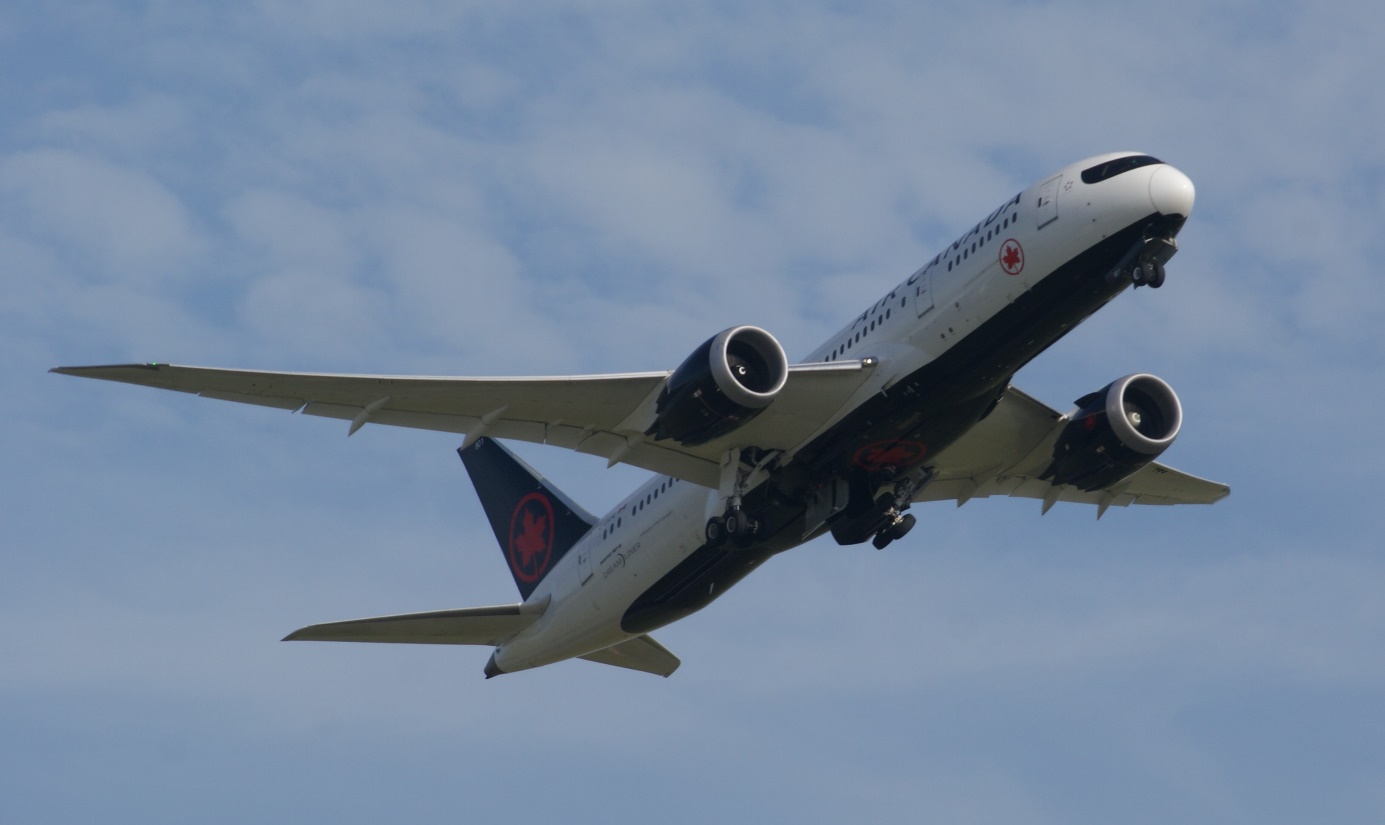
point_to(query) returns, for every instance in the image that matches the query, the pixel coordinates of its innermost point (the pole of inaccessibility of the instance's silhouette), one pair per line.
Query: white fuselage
(989, 267)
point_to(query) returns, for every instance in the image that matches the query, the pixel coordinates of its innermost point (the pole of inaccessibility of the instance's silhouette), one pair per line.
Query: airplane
(910, 402)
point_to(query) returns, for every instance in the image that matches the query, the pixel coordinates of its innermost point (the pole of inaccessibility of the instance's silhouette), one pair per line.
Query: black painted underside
(934, 406)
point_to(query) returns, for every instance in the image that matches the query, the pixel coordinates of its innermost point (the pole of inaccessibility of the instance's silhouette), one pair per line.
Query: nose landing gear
(1148, 273)
(1144, 263)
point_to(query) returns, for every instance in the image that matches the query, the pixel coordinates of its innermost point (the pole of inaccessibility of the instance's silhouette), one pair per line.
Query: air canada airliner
(910, 402)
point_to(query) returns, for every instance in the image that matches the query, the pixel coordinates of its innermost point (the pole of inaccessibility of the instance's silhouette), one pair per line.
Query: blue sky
(480, 189)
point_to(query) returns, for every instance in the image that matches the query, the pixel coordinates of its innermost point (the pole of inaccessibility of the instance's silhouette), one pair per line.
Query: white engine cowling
(1116, 431)
(727, 381)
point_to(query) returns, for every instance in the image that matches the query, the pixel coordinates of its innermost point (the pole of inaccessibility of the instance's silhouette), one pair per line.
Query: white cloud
(313, 315)
(126, 224)
(137, 127)
(295, 232)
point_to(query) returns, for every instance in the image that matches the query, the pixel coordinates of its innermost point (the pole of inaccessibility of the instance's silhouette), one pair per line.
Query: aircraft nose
(1171, 191)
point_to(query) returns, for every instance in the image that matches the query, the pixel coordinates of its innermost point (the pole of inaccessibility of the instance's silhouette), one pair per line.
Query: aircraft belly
(923, 412)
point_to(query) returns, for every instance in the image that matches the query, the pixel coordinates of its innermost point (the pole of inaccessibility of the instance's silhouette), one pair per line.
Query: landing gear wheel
(1138, 275)
(716, 531)
(901, 528)
(1157, 278)
(739, 525)
(882, 539)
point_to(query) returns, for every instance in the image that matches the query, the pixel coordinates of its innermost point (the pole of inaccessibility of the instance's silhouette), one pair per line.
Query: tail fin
(535, 523)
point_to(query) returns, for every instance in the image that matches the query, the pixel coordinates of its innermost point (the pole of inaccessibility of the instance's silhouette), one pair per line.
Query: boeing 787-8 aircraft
(910, 402)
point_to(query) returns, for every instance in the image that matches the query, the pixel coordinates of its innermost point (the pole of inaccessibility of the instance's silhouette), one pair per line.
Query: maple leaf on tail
(531, 540)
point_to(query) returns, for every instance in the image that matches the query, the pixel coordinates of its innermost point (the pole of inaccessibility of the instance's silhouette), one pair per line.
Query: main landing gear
(898, 528)
(738, 469)
(736, 526)
(895, 523)
(883, 520)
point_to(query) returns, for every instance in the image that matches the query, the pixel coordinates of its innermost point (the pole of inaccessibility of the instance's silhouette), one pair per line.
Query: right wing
(1007, 451)
(603, 415)
(640, 653)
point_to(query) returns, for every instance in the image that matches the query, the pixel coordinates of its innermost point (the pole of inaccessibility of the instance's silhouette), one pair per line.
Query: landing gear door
(923, 291)
(1048, 201)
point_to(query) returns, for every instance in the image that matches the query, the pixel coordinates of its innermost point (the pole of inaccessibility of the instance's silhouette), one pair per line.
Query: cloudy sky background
(483, 189)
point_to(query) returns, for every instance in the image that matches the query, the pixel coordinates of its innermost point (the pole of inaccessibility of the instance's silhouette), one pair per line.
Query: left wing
(488, 626)
(603, 415)
(1009, 449)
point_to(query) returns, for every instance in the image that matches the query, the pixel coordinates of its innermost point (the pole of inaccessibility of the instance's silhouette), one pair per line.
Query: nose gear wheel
(1144, 263)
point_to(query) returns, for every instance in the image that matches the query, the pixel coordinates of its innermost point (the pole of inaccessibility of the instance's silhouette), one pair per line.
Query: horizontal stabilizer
(465, 626)
(640, 653)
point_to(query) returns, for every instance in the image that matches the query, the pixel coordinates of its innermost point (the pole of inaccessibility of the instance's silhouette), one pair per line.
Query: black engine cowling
(727, 381)
(1116, 431)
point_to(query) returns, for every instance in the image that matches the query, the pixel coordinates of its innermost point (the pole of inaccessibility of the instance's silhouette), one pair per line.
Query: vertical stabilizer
(534, 522)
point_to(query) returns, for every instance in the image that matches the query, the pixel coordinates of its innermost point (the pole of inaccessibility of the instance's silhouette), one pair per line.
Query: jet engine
(727, 381)
(1116, 431)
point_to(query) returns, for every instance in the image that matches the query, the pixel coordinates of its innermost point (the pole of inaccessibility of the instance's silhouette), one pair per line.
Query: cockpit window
(1119, 166)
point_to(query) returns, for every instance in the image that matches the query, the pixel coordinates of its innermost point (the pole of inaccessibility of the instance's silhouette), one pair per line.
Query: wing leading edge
(603, 415)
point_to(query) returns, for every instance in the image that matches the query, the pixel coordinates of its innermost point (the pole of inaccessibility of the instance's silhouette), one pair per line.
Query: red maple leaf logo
(890, 454)
(531, 537)
(1012, 257)
(894, 455)
(531, 540)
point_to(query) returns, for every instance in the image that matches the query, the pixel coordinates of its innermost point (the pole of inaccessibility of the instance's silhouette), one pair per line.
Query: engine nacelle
(727, 381)
(1116, 431)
